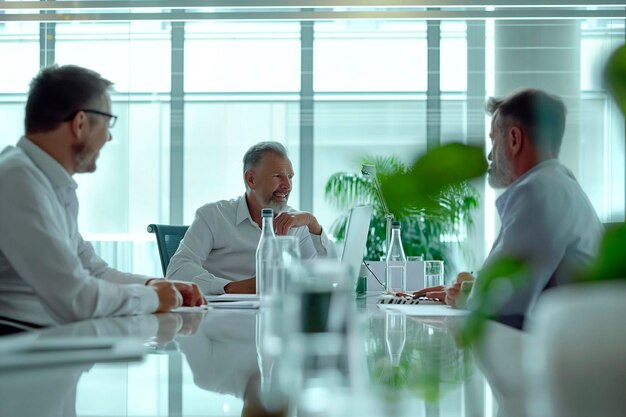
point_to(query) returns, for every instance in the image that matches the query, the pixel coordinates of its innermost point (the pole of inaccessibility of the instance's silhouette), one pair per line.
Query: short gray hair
(541, 114)
(253, 156)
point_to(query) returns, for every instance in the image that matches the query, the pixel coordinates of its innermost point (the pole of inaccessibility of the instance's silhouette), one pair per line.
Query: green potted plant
(424, 228)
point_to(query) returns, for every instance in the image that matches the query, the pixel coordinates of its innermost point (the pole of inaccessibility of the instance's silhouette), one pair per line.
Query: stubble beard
(501, 171)
(84, 161)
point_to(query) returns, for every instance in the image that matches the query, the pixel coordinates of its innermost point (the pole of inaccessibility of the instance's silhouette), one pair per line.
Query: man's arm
(190, 292)
(186, 264)
(38, 248)
(324, 247)
(536, 233)
(245, 286)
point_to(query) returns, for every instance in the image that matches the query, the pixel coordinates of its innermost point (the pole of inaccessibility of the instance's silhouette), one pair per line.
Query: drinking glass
(318, 307)
(433, 273)
(288, 255)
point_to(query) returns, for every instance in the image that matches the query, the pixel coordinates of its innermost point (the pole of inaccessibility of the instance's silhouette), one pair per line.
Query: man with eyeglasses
(48, 274)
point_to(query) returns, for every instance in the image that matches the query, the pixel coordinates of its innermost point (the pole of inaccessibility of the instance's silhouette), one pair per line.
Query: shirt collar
(500, 201)
(57, 175)
(243, 212)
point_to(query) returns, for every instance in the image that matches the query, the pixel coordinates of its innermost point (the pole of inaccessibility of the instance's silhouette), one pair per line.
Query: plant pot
(576, 355)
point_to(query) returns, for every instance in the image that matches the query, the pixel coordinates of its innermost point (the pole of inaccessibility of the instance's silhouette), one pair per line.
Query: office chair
(168, 238)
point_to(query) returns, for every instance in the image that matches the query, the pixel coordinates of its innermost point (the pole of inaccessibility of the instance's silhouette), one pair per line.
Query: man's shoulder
(219, 209)
(220, 205)
(12, 157)
(14, 161)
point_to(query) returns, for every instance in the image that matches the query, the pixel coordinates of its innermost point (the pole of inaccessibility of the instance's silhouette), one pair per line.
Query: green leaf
(507, 273)
(423, 184)
(615, 76)
(611, 261)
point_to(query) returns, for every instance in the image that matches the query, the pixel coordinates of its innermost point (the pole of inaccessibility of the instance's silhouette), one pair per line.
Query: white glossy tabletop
(207, 364)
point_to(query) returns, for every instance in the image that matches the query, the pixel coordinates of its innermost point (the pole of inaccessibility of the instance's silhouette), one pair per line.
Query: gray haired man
(218, 250)
(48, 274)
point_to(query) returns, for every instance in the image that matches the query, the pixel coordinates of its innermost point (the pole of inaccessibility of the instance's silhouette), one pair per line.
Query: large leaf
(611, 261)
(615, 76)
(431, 174)
(501, 277)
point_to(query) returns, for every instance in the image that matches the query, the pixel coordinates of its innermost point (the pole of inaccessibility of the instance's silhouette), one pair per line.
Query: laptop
(356, 239)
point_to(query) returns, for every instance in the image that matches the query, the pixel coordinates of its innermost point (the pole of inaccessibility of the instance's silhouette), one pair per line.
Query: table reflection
(222, 353)
(379, 364)
(415, 356)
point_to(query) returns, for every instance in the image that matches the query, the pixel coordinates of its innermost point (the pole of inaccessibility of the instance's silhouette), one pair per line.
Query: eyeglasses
(112, 118)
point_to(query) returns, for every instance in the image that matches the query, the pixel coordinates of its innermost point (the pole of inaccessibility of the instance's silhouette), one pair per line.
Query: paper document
(188, 309)
(236, 305)
(231, 297)
(424, 309)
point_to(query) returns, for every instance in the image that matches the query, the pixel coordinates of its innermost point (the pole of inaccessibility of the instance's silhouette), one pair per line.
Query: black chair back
(168, 238)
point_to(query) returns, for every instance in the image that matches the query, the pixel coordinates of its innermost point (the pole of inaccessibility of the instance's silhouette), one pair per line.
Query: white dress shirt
(220, 246)
(547, 221)
(48, 273)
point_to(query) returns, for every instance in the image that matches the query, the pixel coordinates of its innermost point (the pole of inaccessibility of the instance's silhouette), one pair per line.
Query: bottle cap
(267, 212)
(395, 224)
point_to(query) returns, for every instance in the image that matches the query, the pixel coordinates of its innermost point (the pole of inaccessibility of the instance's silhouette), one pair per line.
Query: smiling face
(270, 181)
(500, 172)
(97, 134)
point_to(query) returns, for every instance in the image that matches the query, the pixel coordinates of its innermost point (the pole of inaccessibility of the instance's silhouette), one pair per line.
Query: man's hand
(285, 221)
(449, 295)
(246, 286)
(453, 293)
(192, 296)
(169, 297)
(438, 292)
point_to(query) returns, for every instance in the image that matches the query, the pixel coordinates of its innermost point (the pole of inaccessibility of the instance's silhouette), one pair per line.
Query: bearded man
(218, 250)
(48, 274)
(546, 218)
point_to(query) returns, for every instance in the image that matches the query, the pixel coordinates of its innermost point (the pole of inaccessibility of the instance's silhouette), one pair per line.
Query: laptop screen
(356, 239)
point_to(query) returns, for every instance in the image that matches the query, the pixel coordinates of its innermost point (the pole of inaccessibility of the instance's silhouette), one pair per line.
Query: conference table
(215, 362)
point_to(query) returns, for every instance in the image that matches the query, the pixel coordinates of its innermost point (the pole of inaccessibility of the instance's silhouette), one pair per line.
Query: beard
(500, 171)
(277, 206)
(85, 159)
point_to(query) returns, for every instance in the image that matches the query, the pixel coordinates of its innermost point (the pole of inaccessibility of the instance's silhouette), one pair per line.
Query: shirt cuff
(319, 241)
(213, 286)
(148, 298)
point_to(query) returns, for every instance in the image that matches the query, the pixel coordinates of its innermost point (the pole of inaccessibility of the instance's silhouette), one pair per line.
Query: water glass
(433, 273)
(287, 256)
(317, 312)
(415, 258)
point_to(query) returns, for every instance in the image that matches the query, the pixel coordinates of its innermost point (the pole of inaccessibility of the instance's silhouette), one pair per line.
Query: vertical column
(543, 54)
(476, 95)
(177, 123)
(433, 98)
(177, 166)
(307, 116)
(47, 34)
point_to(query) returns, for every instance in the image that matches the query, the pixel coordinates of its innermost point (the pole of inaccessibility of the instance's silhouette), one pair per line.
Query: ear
(249, 178)
(79, 126)
(516, 140)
